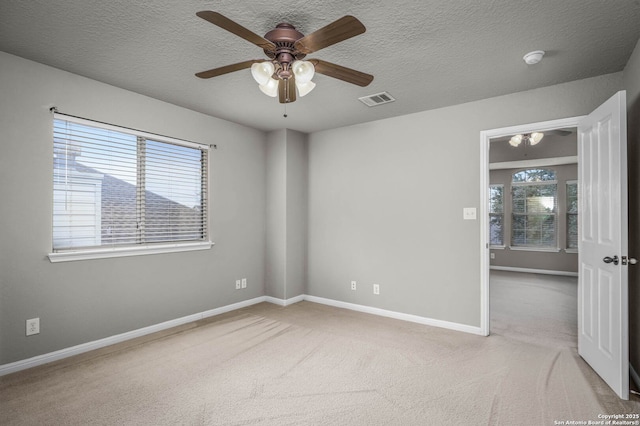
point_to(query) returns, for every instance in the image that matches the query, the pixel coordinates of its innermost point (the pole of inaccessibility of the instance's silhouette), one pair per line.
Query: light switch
(469, 213)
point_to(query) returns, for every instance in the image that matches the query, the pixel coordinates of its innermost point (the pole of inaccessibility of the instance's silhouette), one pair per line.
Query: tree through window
(534, 208)
(496, 215)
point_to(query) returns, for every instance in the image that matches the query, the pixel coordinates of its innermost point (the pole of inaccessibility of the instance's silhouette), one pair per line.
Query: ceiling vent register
(377, 99)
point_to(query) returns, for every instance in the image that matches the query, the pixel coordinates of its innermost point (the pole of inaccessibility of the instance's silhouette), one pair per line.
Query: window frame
(515, 184)
(100, 252)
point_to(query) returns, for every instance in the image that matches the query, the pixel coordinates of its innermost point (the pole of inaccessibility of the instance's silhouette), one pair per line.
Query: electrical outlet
(376, 289)
(244, 283)
(33, 326)
(493, 255)
(353, 285)
(238, 283)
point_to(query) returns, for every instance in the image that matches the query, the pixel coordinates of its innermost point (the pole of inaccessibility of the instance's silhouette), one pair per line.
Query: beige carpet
(309, 364)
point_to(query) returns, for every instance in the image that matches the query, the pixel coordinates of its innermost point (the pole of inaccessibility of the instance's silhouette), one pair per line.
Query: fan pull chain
(285, 111)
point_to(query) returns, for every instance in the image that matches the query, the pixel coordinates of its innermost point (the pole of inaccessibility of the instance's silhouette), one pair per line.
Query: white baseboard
(634, 376)
(118, 338)
(396, 315)
(107, 341)
(534, 271)
(284, 302)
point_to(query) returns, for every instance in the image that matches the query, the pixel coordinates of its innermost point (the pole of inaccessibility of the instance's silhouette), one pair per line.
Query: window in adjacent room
(572, 215)
(496, 215)
(118, 188)
(534, 209)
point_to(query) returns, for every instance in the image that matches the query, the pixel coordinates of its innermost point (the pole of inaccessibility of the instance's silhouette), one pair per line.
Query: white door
(603, 329)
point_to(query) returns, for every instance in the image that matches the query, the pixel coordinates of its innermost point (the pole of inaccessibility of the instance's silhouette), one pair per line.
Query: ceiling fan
(285, 70)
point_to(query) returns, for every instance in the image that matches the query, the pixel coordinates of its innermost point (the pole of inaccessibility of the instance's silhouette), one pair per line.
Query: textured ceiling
(427, 54)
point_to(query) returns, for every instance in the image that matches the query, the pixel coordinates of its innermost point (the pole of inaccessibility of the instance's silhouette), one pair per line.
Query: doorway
(527, 159)
(603, 323)
(533, 235)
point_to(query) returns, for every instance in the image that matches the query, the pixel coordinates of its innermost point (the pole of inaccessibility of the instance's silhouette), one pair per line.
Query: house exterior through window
(114, 187)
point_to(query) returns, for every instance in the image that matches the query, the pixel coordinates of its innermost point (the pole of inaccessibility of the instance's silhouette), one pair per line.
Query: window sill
(496, 247)
(573, 251)
(105, 253)
(539, 249)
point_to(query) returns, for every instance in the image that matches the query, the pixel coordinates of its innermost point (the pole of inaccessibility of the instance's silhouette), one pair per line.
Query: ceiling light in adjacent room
(530, 138)
(535, 137)
(515, 140)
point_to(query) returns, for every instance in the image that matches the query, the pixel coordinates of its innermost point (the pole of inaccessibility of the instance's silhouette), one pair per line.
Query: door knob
(613, 260)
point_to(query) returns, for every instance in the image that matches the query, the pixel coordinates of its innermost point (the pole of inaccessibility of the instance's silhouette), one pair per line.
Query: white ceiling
(426, 53)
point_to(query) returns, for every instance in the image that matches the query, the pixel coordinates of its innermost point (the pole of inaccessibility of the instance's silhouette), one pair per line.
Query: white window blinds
(120, 187)
(534, 205)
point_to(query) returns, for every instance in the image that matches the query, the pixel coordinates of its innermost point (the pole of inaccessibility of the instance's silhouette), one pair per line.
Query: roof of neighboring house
(164, 219)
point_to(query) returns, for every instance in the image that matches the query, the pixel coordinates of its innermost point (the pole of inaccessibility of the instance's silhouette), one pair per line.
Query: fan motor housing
(284, 36)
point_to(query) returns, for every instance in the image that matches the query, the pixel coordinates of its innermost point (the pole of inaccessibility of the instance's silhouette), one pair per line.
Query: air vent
(377, 99)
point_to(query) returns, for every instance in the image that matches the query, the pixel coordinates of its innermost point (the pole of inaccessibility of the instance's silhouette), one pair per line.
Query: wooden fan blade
(227, 24)
(340, 30)
(287, 90)
(227, 69)
(342, 73)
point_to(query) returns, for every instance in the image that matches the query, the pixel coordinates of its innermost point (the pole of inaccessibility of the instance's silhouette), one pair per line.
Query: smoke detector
(534, 57)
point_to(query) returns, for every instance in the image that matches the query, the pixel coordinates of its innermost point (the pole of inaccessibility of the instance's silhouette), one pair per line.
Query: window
(120, 188)
(572, 215)
(496, 215)
(534, 206)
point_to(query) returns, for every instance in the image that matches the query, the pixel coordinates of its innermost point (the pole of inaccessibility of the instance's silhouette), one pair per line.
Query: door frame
(485, 140)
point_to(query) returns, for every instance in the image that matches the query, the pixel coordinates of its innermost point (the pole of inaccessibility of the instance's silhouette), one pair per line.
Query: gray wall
(84, 301)
(385, 203)
(550, 261)
(297, 188)
(631, 79)
(286, 254)
(276, 187)
(386, 200)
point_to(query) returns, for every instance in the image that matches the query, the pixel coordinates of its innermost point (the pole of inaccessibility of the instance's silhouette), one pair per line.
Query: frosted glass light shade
(515, 140)
(535, 137)
(304, 71)
(270, 88)
(262, 72)
(304, 88)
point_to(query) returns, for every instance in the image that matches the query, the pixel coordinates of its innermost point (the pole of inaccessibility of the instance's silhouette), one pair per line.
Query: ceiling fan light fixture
(270, 88)
(515, 140)
(303, 70)
(262, 72)
(305, 88)
(286, 47)
(535, 137)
